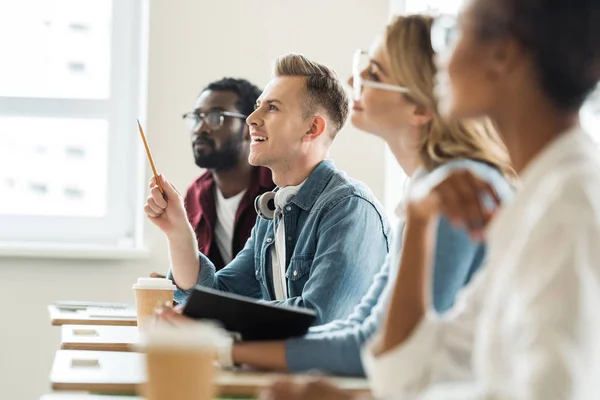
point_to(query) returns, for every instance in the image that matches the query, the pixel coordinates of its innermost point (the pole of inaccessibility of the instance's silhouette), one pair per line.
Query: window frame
(119, 233)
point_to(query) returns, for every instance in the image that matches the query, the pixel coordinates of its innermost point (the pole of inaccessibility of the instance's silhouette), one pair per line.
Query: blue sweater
(335, 347)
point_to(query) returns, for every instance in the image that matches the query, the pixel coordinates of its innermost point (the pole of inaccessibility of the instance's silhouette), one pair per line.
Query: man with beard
(220, 203)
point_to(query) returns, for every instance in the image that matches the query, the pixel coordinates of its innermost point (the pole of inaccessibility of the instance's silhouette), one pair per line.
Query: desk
(62, 317)
(103, 338)
(86, 396)
(122, 373)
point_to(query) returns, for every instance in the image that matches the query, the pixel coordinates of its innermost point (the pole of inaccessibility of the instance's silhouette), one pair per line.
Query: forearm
(183, 254)
(266, 355)
(410, 296)
(336, 352)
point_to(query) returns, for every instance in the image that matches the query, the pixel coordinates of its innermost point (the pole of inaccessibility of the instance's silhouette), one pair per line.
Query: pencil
(160, 189)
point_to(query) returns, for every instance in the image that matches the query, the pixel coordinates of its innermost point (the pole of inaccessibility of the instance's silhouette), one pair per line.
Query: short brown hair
(323, 87)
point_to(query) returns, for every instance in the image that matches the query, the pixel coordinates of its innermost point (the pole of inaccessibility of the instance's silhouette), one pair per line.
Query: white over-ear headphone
(269, 204)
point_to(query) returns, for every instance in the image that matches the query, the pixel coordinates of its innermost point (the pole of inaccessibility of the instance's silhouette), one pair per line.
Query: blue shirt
(335, 347)
(337, 238)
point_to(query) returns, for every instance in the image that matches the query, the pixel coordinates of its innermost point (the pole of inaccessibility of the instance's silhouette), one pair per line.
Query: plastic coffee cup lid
(154, 284)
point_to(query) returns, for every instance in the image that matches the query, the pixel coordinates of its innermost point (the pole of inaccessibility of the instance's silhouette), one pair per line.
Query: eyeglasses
(444, 34)
(360, 64)
(214, 119)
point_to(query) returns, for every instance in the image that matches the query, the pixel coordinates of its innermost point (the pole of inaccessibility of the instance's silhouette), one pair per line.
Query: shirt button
(288, 208)
(295, 273)
(289, 238)
(269, 240)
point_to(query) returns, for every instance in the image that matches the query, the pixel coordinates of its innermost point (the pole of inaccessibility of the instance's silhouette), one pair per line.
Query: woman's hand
(465, 199)
(173, 315)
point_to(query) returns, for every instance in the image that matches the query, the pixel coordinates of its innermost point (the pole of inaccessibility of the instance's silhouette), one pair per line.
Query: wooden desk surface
(62, 317)
(103, 338)
(122, 373)
(86, 396)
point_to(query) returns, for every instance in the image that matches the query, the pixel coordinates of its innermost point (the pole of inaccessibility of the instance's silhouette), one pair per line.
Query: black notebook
(251, 319)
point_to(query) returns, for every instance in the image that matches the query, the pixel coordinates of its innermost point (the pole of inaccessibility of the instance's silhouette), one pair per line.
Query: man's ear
(318, 126)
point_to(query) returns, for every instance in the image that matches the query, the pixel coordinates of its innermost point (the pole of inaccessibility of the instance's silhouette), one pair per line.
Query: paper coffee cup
(180, 362)
(149, 294)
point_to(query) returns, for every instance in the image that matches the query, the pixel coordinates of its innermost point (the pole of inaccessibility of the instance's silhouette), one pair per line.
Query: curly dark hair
(563, 37)
(247, 92)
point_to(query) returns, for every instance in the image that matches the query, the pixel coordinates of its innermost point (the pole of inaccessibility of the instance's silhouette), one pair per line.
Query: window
(69, 98)
(394, 176)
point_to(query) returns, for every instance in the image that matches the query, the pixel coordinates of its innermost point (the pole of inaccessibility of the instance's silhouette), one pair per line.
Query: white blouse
(528, 326)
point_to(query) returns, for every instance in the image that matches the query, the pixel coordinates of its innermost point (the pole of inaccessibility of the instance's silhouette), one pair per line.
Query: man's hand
(316, 389)
(168, 212)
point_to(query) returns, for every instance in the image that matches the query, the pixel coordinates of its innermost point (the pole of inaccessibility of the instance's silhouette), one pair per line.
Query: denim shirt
(337, 238)
(335, 347)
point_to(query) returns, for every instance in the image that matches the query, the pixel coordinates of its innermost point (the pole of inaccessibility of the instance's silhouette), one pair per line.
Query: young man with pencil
(322, 238)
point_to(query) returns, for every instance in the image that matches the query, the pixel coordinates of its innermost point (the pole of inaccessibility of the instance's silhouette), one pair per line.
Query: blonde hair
(408, 44)
(323, 87)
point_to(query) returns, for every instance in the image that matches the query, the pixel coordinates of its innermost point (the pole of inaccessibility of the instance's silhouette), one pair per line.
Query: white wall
(191, 42)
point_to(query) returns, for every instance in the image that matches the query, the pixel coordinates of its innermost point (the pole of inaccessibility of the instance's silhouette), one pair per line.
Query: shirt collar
(290, 190)
(314, 185)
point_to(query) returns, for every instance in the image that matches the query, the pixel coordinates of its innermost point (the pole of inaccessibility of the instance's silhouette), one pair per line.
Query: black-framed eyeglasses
(214, 119)
(444, 34)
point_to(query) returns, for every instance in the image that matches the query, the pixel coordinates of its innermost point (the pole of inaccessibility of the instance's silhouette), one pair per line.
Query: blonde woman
(394, 100)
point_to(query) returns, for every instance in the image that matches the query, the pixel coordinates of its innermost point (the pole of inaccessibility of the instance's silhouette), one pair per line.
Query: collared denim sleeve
(352, 243)
(237, 277)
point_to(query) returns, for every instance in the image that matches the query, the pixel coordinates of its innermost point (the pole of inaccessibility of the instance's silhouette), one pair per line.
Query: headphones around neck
(270, 204)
